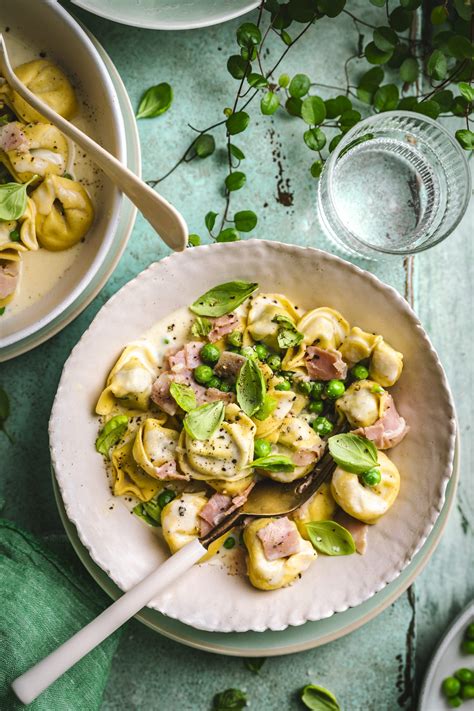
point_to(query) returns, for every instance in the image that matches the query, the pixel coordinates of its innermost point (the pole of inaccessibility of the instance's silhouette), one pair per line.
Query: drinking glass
(397, 183)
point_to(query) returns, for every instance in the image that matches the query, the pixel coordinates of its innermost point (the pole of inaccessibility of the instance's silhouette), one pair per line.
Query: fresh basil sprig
(184, 396)
(317, 698)
(110, 433)
(201, 327)
(229, 700)
(250, 387)
(149, 511)
(202, 422)
(254, 664)
(273, 463)
(155, 101)
(222, 299)
(13, 199)
(288, 336)
(330, 538)
(353, 453)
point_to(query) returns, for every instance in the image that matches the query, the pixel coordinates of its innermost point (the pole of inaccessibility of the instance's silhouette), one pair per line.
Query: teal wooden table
(378, 667)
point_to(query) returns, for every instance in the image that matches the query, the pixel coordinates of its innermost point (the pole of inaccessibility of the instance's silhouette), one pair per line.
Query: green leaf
(235, 181)
(444, 99)
(331, 8)
(288, 336)
(283, 80)
(374, 55)
(349, 119)
(250, 387)
(410, 4)
(254, 664)
(460, 47)
(269, 103)
(201, 327)
(202, 422)
(353, 453)
(139, 510)
(465, 138)
(439, 15)
(204, 145)
(330, 538)
(336, 107)
(210, 220)
(153, 509)
(369, 83)
(293, 106)
(273, 463)
(111, 433)
(229, 700)
(386, 98)
(286, 38)
(466, 90)
(334, 142)
(299, 86)
(356, 142)
(245, 220)
(463, 8)
(223, 299)
(409, 70)
(257, 81)
(248, 35)
(408, 103)
(460, 106)
(428, 108)
(385, 39)
(13, 200)
(194, 240)
(437, 66)
(302, 10)
(378, 3)
(184, 396)
(317, 698)
(155, 101)
(317, 168)
(230, 234)
(313, 110)
(400, 19)
(238, 122)
(269, 406)
(237, 67)
(236, 152)
(315, 139)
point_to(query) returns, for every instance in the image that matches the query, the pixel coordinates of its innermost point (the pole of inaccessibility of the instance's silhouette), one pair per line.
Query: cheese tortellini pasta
(296, 439)
(154, 446)
(386, 364)
(323, 327)
(45, 151)
(320, 507)
(131, 379)
(363, 403)
(129, 477)
(358, 345)
(50, 84)
(181, 523)
(261, 323)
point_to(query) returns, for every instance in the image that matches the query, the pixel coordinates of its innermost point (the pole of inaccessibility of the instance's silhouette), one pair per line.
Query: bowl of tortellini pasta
(58, 213)
(253, 362)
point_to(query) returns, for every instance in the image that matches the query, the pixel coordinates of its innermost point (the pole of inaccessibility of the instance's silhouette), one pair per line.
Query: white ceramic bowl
(44, 26)
(128, 550)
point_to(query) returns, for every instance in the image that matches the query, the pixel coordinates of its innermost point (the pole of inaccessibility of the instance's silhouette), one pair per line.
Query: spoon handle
(30, 684)
(163, 217)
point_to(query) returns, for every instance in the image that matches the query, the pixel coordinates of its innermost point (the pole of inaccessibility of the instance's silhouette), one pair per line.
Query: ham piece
(325, 364)
(12, 138)
(219, 506)
(168, 471)
(229, 365)
(356, 528)
(9, 275)
(186, 358)
(388, 430)
(222, 326)
(161, 396)
(279, 539)
(213, 394)
(303, 457)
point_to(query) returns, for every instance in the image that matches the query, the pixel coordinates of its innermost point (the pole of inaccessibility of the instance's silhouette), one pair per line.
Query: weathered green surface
(380, 666)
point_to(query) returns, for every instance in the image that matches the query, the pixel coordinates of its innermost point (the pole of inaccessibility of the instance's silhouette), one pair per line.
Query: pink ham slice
(357, 529)
(9, 275)
(12, 138)
(186, 358)
(219, 506)
(160, 391)
(222, 326)
(213, 394)
(279, 539)
(325, 364)
(168, 471)
(229, 364)
(303, 457)
(388, 430)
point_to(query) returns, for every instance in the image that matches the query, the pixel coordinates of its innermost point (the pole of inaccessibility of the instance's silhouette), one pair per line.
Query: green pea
(335, 388)
(165, 497)
(467, 691)
(262, 351)
(262, 448)
(468, 646)
(249, 352)
(224, 387)
(203, 374)
(466, 676)
(317, 389)
(454, 701)
(322, 426)
(214, 382)
(284, 385)
(229, 542)
(451, 686)
(274, 361)
(469, 633)
(360, 372)
(210, 354)
(235, 339)
(371, 477)
(316, 406)
(304, 386)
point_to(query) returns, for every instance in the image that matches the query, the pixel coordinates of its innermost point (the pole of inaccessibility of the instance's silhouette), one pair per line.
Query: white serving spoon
(162, 216)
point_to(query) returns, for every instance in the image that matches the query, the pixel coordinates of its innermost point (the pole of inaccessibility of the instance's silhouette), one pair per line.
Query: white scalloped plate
(128, 550)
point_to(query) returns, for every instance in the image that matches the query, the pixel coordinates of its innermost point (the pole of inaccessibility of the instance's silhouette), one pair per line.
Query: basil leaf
(288, 336)
(353, 453)
(330, 538)
(184, 396)
(250, 387)
(110, 433)
(140, 511)
(268, 406)
(254, 664)
(317, 698)
(155, 101)
(201, 327)
(229, 700)
(202, 422)
(13, 200)
(223, 298)
(273, 463)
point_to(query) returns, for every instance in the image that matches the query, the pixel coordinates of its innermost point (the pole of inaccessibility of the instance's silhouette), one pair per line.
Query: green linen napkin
(45, 598)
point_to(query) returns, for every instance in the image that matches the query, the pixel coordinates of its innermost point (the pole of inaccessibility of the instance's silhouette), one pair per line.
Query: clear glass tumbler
(397, 183)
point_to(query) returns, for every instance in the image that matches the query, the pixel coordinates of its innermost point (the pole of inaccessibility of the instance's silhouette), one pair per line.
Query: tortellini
(64, 212)
(226, 455)
(273, 574)
(231, 488)
(367, 503)
(131, 379)
(154, 446)
(263, 309)
(10, 270)
(269, 427)
(180, 523)
(322, 327)
(386, 364)
(320, 507)
(129, 478)
(28, 226)
(358, 345)
(46, 153)
(363, 403)
(50, 84)
(296, 437)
